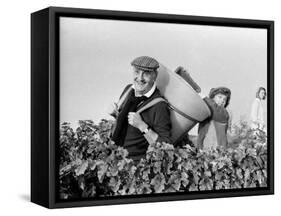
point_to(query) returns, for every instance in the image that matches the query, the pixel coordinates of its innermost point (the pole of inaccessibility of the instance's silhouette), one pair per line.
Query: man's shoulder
(160, 106)
(156, 94)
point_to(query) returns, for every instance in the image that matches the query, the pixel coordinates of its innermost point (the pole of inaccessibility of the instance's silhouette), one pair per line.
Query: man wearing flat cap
(135, 131)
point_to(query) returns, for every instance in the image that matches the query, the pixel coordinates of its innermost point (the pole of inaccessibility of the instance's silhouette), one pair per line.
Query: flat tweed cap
(145, 63)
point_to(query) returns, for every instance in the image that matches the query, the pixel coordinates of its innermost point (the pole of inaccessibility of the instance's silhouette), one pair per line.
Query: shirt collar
(149, 93)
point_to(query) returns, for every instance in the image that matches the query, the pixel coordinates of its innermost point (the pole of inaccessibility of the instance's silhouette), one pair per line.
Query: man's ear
(155, 74)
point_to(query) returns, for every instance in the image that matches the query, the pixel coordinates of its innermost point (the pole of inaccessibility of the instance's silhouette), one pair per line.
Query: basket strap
(123, 98)
(157, 100)
(151, 103)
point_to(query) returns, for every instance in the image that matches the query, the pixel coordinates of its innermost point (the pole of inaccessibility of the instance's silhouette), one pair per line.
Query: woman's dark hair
(258, 92)
(221, 90)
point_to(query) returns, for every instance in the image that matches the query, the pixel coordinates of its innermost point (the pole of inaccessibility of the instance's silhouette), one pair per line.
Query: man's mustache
(140, 81)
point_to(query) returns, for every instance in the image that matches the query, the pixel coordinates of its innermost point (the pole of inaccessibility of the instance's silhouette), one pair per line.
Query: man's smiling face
(143, 80)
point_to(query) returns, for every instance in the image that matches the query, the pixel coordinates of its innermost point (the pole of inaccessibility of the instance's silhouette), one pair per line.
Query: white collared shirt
(149, 93)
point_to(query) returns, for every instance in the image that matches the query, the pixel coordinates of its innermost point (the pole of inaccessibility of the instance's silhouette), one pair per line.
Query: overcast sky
(95, 58)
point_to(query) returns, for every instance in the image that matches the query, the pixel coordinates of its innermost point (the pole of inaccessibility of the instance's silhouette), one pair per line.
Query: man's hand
(135, 120)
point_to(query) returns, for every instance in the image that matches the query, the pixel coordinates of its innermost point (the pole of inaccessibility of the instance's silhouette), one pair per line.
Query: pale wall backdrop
(95, 58)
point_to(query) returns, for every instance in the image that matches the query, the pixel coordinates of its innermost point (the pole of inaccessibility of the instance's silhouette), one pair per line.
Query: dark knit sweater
(158, 119)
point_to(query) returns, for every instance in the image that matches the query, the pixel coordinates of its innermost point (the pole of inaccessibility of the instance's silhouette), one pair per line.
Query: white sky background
(95, 58)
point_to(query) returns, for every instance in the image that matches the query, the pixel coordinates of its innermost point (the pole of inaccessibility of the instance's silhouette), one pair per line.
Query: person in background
(212, 132)
(257, 110)
(135, 131)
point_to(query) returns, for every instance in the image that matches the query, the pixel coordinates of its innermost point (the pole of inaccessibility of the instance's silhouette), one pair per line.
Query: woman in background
(212, 132)
(257, 111)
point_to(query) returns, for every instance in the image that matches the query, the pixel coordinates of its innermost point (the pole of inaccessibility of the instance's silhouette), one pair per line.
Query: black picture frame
(45, 104)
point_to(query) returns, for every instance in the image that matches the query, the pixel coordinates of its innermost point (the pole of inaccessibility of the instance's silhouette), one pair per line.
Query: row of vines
(91, 165)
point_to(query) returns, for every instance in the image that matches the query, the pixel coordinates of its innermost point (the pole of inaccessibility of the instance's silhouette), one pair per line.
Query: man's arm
(135, 120)
(151, 136)
(161, 131)
(162, 123)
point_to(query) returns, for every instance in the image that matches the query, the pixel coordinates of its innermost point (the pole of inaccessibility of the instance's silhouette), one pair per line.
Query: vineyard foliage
(91, 165)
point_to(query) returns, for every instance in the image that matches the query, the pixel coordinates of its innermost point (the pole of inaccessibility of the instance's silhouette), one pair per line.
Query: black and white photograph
(140, 107)
(148, 108)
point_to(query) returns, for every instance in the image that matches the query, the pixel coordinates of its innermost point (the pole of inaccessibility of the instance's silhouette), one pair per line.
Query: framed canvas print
(134, 107)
